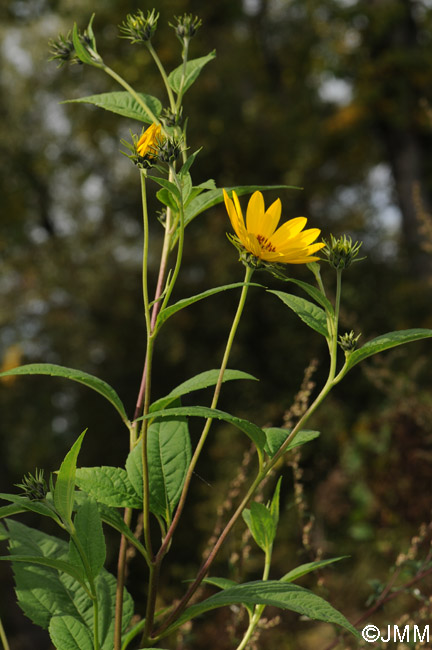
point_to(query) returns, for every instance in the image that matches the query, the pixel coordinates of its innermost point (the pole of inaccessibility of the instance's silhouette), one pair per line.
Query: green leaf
(310, 314)
(51, 563)
(168, 185)
(315, 293)
(274, 504)
(90, 381)
(261, 525)
(24, 504)
(275, 437)
(44, 593)
(123, 104)
(193, 68)
(169, 454)
(69, 633)
(65, 484)
(80, 50)
(181, 304)
(252, 430)
(202, 380)
(108, 485)
(270, 592)
(165, 197)
(385, 342)
(221, 583)
(303, 569)
(208, 199)
(88, 528)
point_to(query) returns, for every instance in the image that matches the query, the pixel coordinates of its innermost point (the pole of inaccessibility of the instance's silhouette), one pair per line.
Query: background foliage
(329, 95)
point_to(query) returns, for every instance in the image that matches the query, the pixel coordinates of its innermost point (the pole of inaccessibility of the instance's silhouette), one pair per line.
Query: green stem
(183, 77)
(258, 610)
(163, 75)
(3, 637)
(208, 423)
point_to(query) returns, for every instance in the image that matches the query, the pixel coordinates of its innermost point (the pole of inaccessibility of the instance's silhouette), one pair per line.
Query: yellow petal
(255, 213)
(288, 230)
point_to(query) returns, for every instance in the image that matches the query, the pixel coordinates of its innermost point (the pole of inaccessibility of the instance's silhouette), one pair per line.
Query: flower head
(146, 146)
(139, 28)
(341, 252)
(289, 244)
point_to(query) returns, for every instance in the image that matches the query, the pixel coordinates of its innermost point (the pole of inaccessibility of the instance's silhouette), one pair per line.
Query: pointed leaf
(108, 485)
(114, 519)
(124, 104)
(271, 592)
(90, 381)
(303, 569)
(65, 483)
(252, 430)
(385, 342)
(169, 454)
(181, 304)
(80, 50)
(193, 68)
(310, 314)
(51, 563)
(275, 437)
(24, 504)
(88, 527)
(202, 380)
(261, 524)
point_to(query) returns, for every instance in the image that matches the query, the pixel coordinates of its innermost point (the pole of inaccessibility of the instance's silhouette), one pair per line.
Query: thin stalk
(258, 610)
(3, 637)
(112, 73)
(163, 75)
(208, 423)
(121, 573)
(144, 443)
(89, 574)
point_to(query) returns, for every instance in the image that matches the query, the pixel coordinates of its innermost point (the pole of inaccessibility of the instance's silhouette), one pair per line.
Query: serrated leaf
(69, 633)
(50, 563)
(385, 342)
(310, 314)
(303, 569)
(88, 528)
(181, 304)
(202, 380)
(108, 485)
(65, 484)
(275, 437)
(43, 592)
(90, 381)
(252, 430)
(169, 454)
(123, 104)
(193, 69)
(274, 593)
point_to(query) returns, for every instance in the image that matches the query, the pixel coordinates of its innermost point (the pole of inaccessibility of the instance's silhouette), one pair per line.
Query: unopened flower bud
(34, 487)
(348, 341)
(186, 27)
(341, 252)
(139, 28)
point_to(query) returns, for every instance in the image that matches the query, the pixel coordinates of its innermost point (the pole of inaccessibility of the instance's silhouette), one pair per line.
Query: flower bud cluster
(34, 487)
(341, 252)
(348, 342)
(139, 28)
(186, 26)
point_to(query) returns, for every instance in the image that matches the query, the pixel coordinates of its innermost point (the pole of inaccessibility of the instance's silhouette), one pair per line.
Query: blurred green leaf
(123, 104)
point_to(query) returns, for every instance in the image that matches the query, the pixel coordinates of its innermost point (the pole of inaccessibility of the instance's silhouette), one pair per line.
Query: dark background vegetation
(330, 95)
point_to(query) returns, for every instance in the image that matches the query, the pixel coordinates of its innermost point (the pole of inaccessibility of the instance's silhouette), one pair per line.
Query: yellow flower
(146, 146)
(289, 244)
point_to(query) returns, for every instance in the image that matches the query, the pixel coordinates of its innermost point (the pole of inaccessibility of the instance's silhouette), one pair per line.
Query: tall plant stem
(208, 423)
(121, 574)
(332, 380)
(163, 75)
(258, 610)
